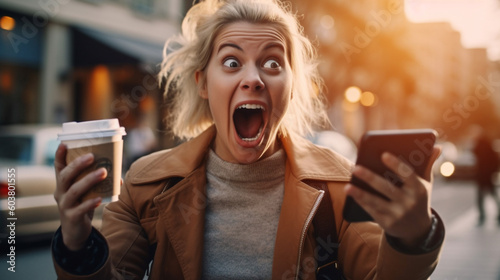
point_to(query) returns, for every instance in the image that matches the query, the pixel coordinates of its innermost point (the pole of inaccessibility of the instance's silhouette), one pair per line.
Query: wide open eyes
(272, 64)
(231, 63)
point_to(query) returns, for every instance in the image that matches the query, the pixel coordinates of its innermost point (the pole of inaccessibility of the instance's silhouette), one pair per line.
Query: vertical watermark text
(11, 219)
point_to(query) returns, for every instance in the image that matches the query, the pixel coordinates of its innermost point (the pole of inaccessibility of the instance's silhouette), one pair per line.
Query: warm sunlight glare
(478, 21)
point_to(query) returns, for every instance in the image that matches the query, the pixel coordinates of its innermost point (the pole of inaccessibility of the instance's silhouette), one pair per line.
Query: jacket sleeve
(126, 240)
(87, 260)
(366, 253)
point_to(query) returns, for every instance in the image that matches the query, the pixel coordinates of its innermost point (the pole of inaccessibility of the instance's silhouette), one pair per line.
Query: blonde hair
(189, 114)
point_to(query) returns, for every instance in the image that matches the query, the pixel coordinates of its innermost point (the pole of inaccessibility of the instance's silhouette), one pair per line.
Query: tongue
(247, 122)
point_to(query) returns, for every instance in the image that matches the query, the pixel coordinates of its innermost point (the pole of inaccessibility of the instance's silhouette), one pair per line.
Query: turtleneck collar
(266, 170)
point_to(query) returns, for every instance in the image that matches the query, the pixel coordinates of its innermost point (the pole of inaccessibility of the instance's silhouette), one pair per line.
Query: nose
(252, 80)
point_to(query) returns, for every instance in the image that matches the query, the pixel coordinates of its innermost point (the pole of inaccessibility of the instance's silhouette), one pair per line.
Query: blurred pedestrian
(487, 164)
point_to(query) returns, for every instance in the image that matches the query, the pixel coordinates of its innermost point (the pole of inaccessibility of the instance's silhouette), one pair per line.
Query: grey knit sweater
(242, 214)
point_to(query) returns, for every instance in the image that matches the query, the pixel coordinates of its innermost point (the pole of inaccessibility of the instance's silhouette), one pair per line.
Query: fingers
(384, 185)
(407, 213)
(73, 182)
(400, 168)
(79, 188)
(374, 204)
(60, 160)
(68, 175)
(413, 185)
(84, 208)
(400, 198)
(387, 183)
(434, 156)
(404, 171)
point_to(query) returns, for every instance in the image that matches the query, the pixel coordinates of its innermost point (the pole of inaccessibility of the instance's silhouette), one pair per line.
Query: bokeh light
(327, 22)
(367, 99)
(447, 169)
(7, 23)
(352, 94)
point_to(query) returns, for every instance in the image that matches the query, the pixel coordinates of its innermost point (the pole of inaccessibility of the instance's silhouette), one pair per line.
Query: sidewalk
(471, 252)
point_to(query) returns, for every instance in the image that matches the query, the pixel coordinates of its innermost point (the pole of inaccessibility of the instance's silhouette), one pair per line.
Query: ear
(202, 88)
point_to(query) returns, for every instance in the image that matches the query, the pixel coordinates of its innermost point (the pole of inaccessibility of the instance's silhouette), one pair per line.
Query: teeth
(251, 106)
(253, 138)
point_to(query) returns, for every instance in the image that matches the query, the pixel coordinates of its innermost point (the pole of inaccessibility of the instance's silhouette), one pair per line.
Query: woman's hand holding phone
(391, 183)
(407, 213)
(76, 216)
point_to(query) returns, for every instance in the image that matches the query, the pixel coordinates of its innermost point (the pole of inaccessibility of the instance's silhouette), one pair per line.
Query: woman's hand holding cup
(76, 216)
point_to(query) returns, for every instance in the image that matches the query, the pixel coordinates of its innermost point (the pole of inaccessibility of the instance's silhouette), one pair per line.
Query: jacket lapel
(299, 205)
(305, 161)
(182, 212)
(181, 208)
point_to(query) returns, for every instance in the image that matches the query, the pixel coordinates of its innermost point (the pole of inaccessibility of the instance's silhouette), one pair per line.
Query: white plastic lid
(91, 129)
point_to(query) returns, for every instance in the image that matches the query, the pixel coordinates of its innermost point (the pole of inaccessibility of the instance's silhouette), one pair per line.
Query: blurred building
(448, 79)
(417, 74)
(360, 46)
(63, 60)
(494, 80)
(438, 68)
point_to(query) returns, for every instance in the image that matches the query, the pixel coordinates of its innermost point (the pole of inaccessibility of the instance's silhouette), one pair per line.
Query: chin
(256, 153)
(247, 156)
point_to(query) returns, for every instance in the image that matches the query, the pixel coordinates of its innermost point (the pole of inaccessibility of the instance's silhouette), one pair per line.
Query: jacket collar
(177, 162)
(306, 160)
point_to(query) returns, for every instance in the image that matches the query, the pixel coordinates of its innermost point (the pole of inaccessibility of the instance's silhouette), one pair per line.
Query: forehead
(248, 33)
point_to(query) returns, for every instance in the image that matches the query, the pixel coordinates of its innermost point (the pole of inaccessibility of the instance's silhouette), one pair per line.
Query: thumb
(436, 151)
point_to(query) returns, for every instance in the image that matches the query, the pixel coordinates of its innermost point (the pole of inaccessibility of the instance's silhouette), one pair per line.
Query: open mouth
(249, 121)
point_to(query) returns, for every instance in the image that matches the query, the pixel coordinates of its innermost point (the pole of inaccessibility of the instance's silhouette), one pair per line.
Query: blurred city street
(470, 252)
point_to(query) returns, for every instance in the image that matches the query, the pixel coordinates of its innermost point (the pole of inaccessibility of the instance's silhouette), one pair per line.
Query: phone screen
(412, 146)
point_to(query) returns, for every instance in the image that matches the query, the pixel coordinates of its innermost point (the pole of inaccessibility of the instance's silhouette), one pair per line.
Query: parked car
(456, 163)
(27, 154)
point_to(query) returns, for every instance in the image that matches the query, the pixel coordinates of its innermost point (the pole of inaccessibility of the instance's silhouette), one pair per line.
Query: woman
(237, 201)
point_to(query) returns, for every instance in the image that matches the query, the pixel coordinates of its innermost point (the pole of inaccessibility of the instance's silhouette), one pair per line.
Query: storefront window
(20, 59)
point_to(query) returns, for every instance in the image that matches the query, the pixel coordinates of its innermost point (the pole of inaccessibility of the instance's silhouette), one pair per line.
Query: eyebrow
(275, 45)
(269, 46)
(229, 45)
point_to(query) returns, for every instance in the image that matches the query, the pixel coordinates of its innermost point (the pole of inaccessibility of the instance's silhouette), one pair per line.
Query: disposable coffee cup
(104, 139)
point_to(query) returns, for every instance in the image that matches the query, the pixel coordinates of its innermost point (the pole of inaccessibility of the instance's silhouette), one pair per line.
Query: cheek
(282, 97)
(218, 99)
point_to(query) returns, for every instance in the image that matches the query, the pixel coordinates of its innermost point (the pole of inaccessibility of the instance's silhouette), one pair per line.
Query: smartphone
(412, 146)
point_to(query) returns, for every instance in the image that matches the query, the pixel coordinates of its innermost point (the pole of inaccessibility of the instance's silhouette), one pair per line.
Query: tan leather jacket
(150, 214)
